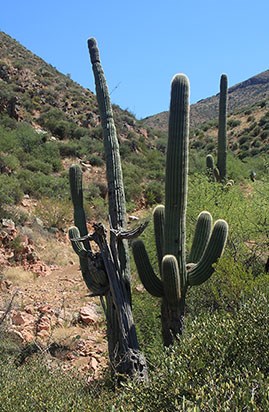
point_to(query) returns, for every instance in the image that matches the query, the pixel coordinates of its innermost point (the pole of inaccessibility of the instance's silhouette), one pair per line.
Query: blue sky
(144, 43)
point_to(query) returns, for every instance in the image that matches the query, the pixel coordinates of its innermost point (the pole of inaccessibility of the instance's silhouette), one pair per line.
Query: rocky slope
(241, 95)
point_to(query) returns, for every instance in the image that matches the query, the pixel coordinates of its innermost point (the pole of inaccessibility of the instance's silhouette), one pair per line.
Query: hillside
(35, 95)
(30, 88)
(242, 95)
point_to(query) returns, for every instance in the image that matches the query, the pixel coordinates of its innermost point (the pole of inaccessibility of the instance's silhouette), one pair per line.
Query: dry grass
(18, 276)
(54, 252)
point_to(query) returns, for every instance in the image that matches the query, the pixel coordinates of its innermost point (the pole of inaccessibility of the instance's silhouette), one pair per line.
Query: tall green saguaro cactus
(107, 272)
(222, 131)
(176, 275)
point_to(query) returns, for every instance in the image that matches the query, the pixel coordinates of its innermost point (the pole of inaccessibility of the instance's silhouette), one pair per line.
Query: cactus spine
(107, 272)
(176, 275)
(222, 131)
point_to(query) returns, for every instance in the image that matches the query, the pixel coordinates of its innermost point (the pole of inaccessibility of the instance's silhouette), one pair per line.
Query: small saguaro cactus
(107, 272)
(222, 131)
(176, 275)
(212, 170)
(218, 173)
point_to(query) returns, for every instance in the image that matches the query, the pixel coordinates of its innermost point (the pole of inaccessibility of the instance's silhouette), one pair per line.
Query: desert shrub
(36, 165)
(254, 151)
(153, 193)
(220, 363)
(36, 184)
(210, 147)
(233, 123)
(243, 140)
(133, 190)
(9, 162)
(264, 119)
(44, 389)
(92, 191)
(56, 122)
(54, 212)
(10, 190)
(197, 144)
(69, 148)
(265, 134)
(96, 160)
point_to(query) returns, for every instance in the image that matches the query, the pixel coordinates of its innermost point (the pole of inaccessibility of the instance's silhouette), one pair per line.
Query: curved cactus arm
(201, 236)
(158, 219)
(216, 174)
(150, 280)
(78, 247)
(75, 180)
(171, 280)
(210, 164)
(95, 279)
(199, 273)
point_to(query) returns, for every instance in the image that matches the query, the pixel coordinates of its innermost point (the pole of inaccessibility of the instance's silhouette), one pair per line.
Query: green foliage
(154, 193)
(10, 190)
(220, 364)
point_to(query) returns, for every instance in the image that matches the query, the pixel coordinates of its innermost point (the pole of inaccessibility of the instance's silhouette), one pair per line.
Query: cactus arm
(158, 219)
(210, 162)
(222, 131)
(95, 279)
(171, 280)
(199, 273)
(149, 279)
(75, 181)
(201, 236)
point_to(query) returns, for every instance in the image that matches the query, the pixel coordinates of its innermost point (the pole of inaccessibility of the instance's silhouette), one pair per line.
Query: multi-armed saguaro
(176, 275)
(107, 272)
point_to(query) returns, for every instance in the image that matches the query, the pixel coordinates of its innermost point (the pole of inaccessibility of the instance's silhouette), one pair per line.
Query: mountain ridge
(240, 95)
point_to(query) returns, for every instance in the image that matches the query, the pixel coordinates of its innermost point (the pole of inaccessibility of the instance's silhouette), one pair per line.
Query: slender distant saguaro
(222, 132)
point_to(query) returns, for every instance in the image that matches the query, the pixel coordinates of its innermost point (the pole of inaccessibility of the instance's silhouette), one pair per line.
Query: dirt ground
(52, 310)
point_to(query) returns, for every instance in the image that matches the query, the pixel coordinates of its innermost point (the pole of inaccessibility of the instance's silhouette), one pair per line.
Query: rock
(22, 318)
(93, 363)
(140, 288)
(8, 224)
(88, 314)
(45, 309)
(132, 218)
(38, 222)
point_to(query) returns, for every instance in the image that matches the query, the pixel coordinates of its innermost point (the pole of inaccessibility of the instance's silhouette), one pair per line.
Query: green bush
(154, 193)
(10, 190)
(220, 364)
